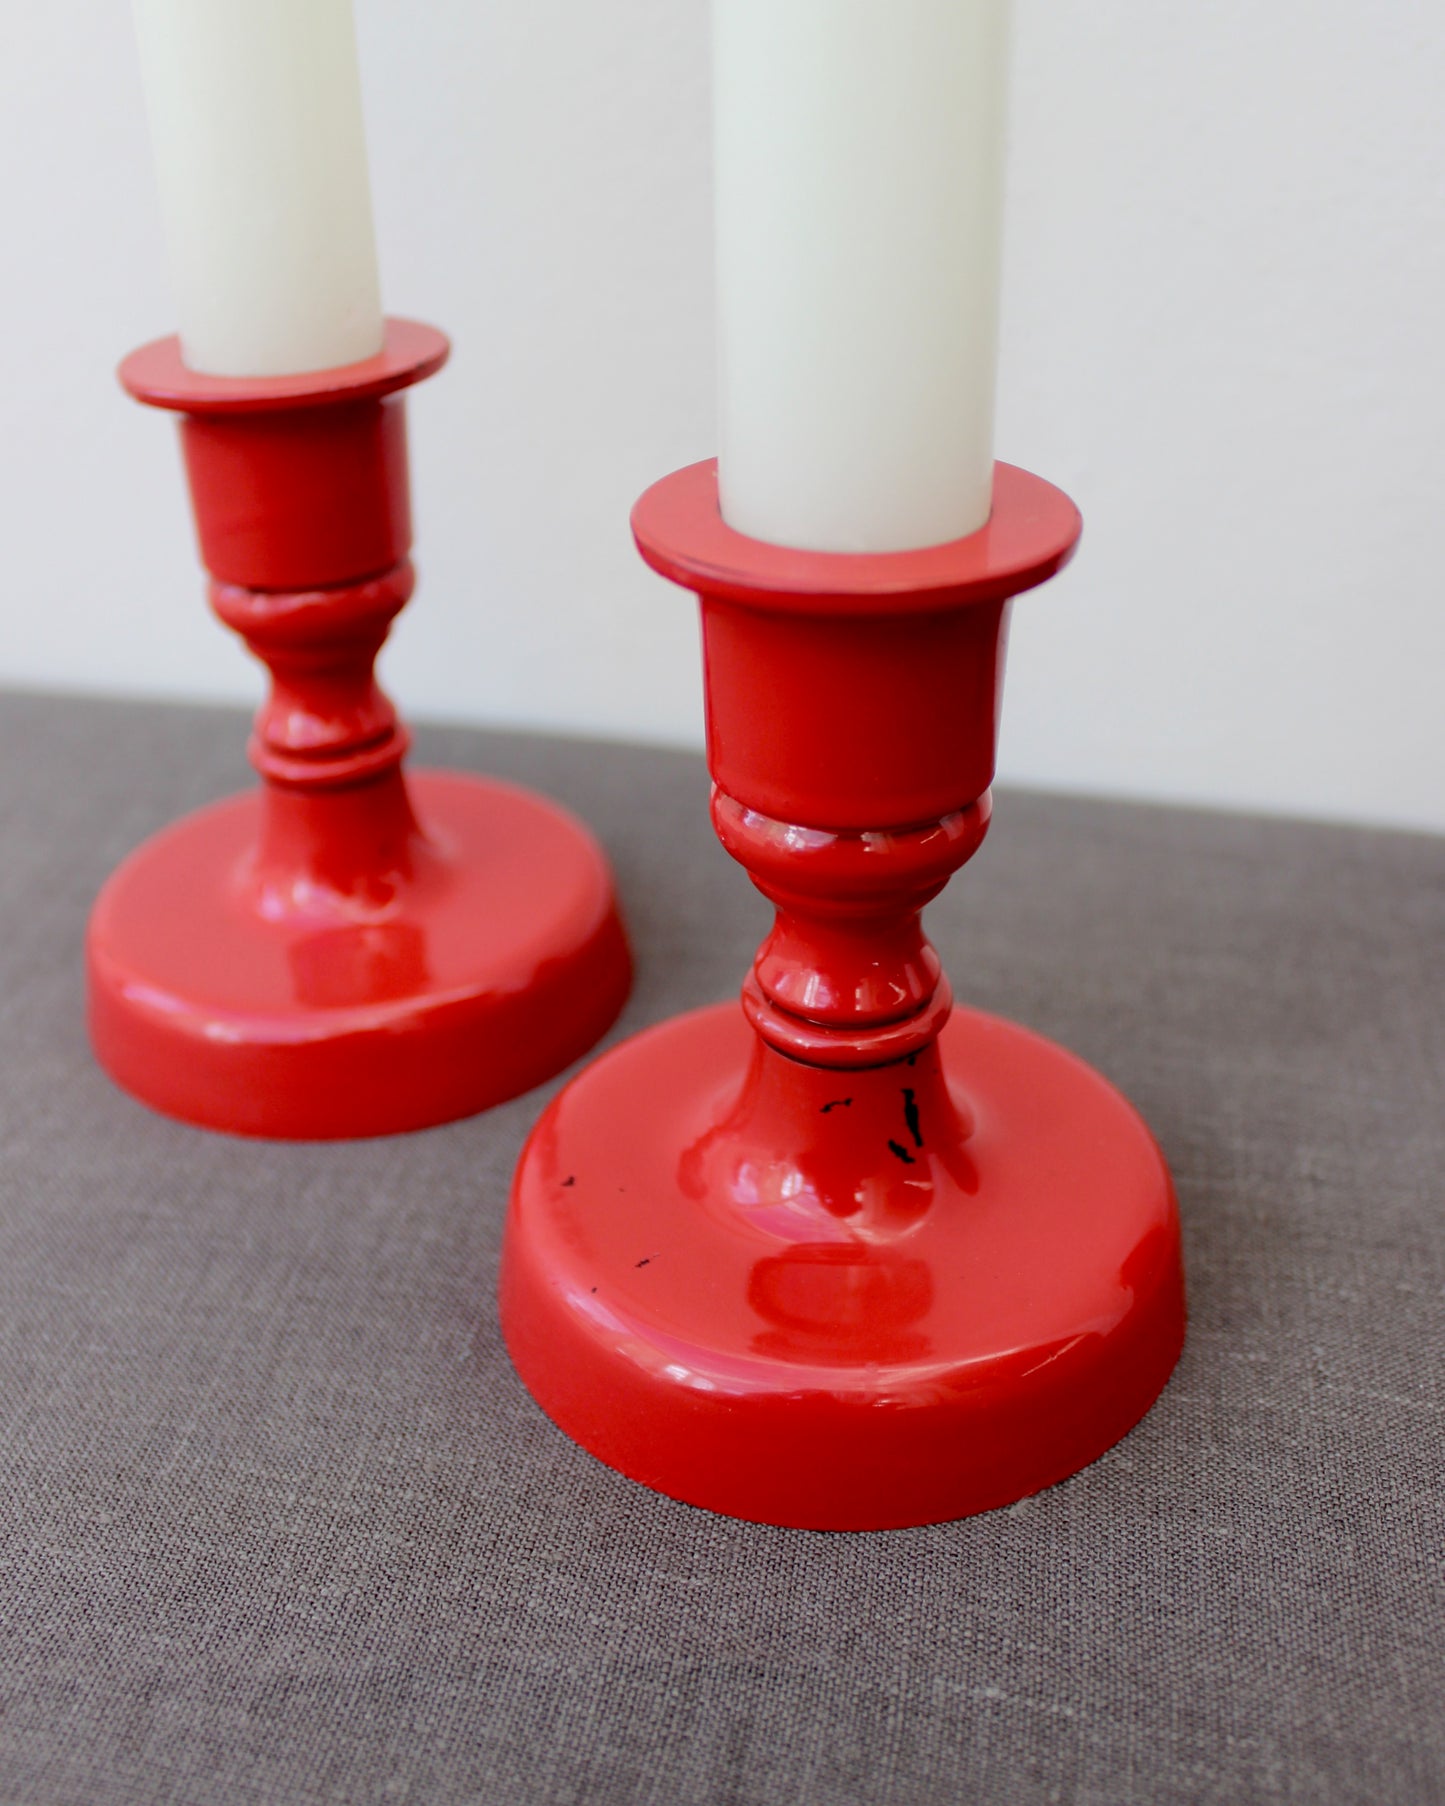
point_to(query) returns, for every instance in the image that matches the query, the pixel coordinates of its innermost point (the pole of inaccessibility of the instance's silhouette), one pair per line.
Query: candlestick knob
(847, 977)
(350, 950)
(327, 721)
(849, 1258)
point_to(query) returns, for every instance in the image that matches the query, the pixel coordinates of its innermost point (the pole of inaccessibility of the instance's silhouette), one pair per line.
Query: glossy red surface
(847, 977)
(354, 962)
(157, 375)
(854, 692)
(348, 952)
(847, 1259)
(1031, 535)
(842, 1301)
(296, 481)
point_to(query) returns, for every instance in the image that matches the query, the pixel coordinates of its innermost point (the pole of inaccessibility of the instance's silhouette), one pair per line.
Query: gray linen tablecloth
(281, 1525)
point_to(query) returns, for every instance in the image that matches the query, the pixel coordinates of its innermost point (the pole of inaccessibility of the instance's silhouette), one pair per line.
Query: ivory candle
(859, 175)
(255, 114)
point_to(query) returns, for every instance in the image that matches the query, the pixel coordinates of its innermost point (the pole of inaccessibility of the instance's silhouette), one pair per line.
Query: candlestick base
(350, 962)
(843, 1300)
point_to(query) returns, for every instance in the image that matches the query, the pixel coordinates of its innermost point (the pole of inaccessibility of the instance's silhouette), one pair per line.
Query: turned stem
(847, 978)
(326, 723)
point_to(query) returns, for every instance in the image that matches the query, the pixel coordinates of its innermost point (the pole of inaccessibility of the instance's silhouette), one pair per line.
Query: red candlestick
(850, 1258)
(349, 951)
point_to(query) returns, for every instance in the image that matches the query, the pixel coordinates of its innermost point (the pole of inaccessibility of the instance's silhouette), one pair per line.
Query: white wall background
(1224, 334)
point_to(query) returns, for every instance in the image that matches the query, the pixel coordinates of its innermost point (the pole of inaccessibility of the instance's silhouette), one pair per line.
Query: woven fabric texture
(281, 1525)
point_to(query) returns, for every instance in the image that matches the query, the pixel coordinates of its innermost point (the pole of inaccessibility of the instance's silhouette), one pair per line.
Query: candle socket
(850, 1258)
(350, 950)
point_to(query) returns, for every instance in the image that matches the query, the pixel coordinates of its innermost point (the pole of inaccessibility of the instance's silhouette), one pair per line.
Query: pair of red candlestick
(848, 1258)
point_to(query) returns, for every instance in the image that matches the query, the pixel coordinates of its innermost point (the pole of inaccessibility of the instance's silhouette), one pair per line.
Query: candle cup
(350, 950)
(850, 1258)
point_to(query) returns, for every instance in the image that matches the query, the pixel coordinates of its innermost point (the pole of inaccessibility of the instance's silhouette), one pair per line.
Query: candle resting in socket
(851, 1257)
(350, 950)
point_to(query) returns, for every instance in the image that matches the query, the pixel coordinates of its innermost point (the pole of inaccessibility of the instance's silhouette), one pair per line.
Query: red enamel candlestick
(849, 1258)
(349, 950)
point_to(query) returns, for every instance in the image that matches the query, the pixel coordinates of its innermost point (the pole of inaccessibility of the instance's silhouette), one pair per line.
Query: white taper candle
(859, 175)
(255, 113)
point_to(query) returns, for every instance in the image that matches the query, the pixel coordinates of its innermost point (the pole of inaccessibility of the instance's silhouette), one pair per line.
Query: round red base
(488, 957)
(843, 1301)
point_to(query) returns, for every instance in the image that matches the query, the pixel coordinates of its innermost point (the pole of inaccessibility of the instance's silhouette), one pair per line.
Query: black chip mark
(903, 1154)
